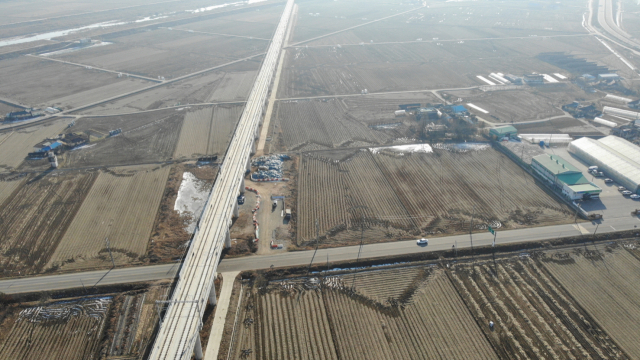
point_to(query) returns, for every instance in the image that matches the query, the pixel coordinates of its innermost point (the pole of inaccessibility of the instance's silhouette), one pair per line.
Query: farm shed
(565, 177)
(504, 131)
(53, 146)
(459, 109)
(617, 157)
(608, 76)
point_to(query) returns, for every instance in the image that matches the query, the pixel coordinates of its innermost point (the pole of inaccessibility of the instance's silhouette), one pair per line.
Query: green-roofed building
(502, 132)
(565, 177)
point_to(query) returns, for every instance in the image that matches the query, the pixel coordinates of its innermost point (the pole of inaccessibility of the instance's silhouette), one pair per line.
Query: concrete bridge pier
(227, 240)
(212, 294)
(242, 186)
(236, 210)
(198, 348)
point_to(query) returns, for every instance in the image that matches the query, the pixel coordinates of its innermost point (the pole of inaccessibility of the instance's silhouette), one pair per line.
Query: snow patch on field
(411, 148)
(77, 48)
(192, 196)
(478, 108)
(55, 34)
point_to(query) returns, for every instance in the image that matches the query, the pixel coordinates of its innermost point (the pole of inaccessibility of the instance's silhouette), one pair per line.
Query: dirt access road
(271, 220)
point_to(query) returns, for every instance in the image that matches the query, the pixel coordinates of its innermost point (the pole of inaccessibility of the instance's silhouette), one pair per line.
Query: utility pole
(110, 254)
(316, 250)
(353, 283)
(495, 267)
(471, 230)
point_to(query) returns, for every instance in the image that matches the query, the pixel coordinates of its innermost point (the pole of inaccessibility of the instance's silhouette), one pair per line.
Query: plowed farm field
(67, 330)
(535, 318)
(408, 194)
(121, 207)
(207, 131)
(604, 283)
(161, 52)
(35, 217)
(7, 188)
(330, 124)
(420, 318)
(113, 326)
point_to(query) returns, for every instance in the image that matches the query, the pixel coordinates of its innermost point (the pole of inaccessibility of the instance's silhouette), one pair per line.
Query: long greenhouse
(617, 157)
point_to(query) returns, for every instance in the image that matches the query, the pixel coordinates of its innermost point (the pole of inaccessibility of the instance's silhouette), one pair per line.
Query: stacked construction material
(269, 168)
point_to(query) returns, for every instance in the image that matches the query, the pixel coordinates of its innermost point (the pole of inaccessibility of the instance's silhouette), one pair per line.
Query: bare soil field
(323, 318)
(220, 86)
(407, 195)
(604, 284)
(259, 23)
(564, 125)
(513, 105)
(161, 52)
(35, 218)
(349, 70)
(534, 316)
(15, 146)
(450, 21)
(36, 82)
(145, 138)
(207, 131)
(422, 65)
(121, 206)
(70, 11)
(319, 18)
(5, 109)
(7, 188)
(323, 122)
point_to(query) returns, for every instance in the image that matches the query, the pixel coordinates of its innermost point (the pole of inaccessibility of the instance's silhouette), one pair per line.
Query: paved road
(88, 279)
(435, 244)
(297, 258)
(222, 307)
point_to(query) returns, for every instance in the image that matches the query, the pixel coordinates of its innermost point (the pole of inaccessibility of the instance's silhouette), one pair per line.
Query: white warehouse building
(617, 157)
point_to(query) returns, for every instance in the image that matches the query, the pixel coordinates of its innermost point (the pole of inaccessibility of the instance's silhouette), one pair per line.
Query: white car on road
(422, 241)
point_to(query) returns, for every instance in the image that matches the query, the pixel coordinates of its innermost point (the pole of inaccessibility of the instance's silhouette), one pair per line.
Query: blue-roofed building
(459, 109)
(53, 146)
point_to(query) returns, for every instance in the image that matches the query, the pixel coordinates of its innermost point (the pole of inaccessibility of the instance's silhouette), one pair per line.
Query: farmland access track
(178, 335)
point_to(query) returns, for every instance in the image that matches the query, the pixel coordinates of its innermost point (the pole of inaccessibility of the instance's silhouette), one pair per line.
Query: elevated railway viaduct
(178, 336)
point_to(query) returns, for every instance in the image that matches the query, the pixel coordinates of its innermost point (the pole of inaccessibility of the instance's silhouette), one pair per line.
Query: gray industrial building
(617, 157)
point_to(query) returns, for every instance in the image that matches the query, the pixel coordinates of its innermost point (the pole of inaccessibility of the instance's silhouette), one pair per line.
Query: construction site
(264, 179)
